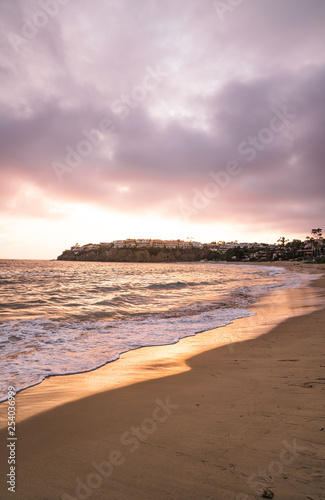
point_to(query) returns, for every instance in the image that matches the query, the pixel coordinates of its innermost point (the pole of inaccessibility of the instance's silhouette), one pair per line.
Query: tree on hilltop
(283, 240)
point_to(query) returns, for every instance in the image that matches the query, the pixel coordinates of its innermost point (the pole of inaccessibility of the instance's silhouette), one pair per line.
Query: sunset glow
(159, 120)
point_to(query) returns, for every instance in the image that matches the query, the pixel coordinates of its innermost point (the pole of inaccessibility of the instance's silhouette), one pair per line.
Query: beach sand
(199, 423)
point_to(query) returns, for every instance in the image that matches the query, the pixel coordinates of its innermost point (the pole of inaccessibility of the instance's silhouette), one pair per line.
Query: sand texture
(230, 423)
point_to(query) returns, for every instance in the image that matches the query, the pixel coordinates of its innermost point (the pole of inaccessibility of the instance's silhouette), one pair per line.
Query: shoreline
(86, 369)
(149, 362)
(59, 443)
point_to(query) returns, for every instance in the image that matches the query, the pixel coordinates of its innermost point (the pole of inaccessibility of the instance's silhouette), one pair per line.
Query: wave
(175, 285)
(36, 349)
(106, 288)
(78, 329)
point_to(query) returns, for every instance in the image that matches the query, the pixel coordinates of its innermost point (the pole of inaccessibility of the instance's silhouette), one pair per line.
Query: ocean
(59, 317)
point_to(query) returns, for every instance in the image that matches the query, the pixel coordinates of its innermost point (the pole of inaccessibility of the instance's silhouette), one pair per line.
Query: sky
(159, 119)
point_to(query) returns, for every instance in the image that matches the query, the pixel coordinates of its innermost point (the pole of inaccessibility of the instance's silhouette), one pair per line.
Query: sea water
(59, 317)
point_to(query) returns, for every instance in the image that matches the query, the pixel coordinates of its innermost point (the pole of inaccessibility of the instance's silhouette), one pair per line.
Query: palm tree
(283, 240)
(317, 232)
(316, 241)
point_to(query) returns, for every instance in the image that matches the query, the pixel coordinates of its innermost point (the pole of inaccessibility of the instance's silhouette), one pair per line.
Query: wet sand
(186, 421)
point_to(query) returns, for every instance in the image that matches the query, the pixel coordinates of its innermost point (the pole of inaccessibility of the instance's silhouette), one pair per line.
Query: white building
(141, 243)
(129, 243)
(158, 243)
(118, 243)
(171, 243)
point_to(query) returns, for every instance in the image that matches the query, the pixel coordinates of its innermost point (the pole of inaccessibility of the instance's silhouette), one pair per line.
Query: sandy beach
(187, 421)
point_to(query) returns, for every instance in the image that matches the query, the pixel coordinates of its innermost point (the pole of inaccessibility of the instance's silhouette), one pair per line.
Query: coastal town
(311, 249)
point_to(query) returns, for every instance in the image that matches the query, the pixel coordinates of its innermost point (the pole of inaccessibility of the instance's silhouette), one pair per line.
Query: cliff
(104, 254)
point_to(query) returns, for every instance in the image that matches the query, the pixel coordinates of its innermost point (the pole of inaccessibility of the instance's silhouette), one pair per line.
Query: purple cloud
(219, 86)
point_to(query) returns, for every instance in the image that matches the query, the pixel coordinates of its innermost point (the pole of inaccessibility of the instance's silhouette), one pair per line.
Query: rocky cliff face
(139, 255)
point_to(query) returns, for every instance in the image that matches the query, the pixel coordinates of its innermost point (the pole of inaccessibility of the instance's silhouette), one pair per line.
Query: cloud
(223, 80)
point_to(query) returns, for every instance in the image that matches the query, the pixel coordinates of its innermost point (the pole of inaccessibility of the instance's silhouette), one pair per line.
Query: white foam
(33, 349)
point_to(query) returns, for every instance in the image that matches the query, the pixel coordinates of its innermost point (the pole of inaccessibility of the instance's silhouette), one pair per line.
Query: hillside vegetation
(140, 255)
